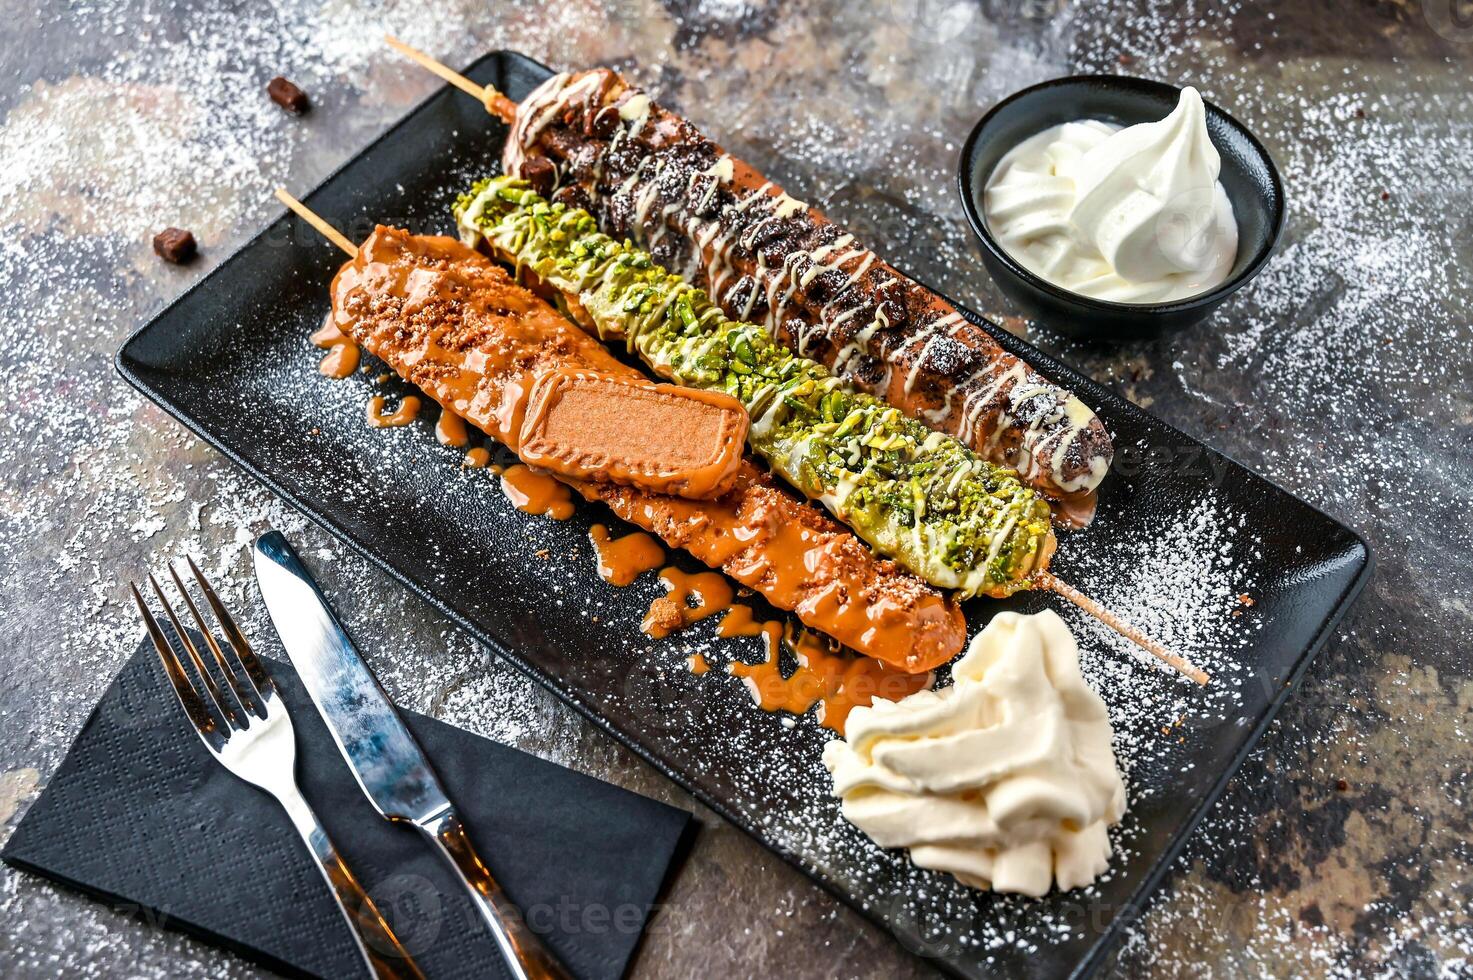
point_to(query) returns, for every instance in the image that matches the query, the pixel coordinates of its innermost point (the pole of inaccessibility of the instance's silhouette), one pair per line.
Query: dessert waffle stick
(659, 513)
(452, 322)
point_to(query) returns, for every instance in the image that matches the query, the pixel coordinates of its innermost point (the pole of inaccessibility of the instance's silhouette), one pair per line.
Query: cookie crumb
(665, 616)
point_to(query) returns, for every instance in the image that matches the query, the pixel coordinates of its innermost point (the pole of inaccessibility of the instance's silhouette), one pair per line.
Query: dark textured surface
(140, 814)
(1343, 373)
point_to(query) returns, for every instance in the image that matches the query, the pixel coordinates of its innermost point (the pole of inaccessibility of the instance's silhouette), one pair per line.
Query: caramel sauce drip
(534, 492)
(342, 352)
(455, 324)
(403, 415)
(476, 458)
(740, 621)
(697, 664)
(340, 362)
(1075, 510)
(689, 599)
(838, 681)
(795, 559)
(622, 560)
(450, 430)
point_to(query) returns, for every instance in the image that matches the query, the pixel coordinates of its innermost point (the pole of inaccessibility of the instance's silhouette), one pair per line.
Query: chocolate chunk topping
(826, 285)
(868, 371)
(745, 290)
(287, 95)
(175, 245)
(540, 173)
(949, 358)
(573, 196)
(601, 124)
(892, 306)
(702, 199)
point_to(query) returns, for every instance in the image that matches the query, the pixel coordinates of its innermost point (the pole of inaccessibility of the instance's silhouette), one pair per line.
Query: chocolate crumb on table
(175, 245)
(287, 95)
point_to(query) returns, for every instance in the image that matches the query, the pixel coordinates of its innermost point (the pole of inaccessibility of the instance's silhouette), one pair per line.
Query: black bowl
(1248, 176)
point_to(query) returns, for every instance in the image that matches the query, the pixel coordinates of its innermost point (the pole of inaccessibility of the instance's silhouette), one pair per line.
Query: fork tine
(216, 695)
(232, 676)
(189, 699)
(261, 680)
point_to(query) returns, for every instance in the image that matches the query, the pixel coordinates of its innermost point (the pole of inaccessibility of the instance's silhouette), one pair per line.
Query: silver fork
(250, 734)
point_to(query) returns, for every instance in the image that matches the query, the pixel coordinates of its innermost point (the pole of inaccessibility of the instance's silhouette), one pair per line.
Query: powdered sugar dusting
(1342, 373)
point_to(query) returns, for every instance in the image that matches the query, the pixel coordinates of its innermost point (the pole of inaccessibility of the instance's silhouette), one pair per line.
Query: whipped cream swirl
(1006, 779)
(1134, 215)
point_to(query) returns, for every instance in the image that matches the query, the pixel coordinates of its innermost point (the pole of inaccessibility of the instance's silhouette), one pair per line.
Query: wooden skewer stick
(1044, 579)
(495, 102)
(1048, 580)
(316, 221)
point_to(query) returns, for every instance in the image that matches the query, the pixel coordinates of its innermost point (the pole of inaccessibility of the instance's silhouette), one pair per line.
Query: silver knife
(387, 762)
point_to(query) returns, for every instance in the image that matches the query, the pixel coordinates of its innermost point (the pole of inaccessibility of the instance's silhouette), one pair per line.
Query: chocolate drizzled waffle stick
(592, 140)
(454, 323)
(654, 513)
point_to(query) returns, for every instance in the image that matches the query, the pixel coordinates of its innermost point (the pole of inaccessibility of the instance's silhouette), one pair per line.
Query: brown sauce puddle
(622, 560)
(689, 598)
(450, 430)
(534, 492)
(826, 674)
(835, 679)
(1076, 510)
(403, 415)
(342, 351)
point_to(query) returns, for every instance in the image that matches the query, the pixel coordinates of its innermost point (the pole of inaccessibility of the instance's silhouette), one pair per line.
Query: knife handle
(524, 952)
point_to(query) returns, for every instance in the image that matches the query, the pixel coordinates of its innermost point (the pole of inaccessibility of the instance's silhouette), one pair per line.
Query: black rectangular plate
(231, 361)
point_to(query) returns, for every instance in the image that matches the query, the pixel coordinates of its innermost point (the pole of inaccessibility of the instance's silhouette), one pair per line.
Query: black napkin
(141, 816)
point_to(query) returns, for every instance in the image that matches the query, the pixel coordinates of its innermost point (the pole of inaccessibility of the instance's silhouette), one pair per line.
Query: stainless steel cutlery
(238, 713)
(389, 765)
(247, 729)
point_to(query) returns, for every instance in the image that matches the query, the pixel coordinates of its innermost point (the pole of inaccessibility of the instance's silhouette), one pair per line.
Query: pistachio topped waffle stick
(913, 494)
(916, 495)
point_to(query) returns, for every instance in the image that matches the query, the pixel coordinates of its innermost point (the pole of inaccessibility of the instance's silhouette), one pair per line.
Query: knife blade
(387, 762)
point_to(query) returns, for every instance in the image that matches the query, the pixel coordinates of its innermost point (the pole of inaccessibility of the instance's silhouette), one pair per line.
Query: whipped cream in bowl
(1131, 215)
(1109, 206)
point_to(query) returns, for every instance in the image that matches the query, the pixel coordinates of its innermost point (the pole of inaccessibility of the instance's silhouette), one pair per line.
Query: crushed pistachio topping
(915, 495)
